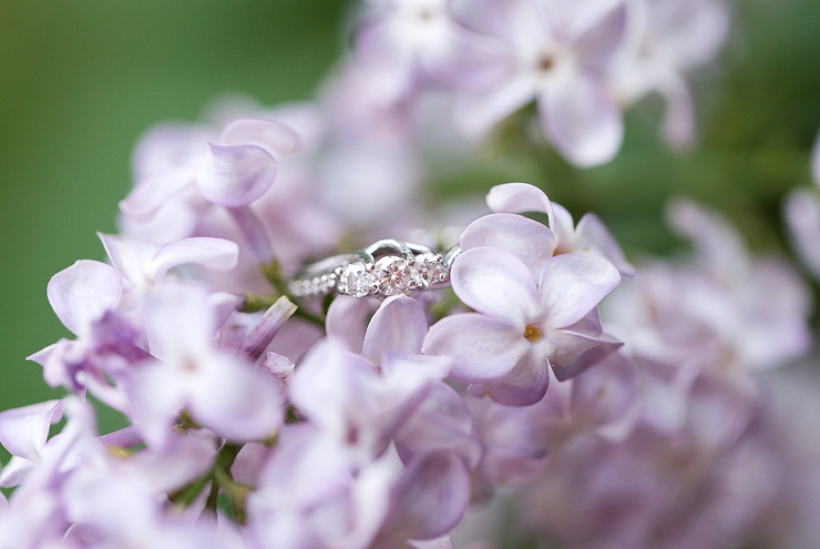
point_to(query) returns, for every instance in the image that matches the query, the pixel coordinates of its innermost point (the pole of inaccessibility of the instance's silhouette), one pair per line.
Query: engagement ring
(387, 267)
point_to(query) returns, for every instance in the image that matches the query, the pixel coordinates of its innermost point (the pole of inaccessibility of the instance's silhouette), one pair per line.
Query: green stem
(236, 492)
(213, 496)
(186, 495)
(253, 303)
(273, 272)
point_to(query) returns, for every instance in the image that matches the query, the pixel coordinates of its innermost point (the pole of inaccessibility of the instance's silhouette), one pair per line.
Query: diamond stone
(426, 270)
(392, 275)
(356, 280)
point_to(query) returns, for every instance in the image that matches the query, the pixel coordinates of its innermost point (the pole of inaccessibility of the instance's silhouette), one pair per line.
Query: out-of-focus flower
(665, 40)
(220, 390)
(557, 54)
(801, 212)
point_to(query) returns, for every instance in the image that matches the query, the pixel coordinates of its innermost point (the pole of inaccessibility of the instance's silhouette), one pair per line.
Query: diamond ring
(387, 267)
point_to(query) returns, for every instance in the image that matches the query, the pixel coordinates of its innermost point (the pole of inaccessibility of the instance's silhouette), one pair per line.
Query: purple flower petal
(591, 233)
(573, 352)
(598, 43)
(442, 422)
(564, 228)
(347, 320)
(530, 241)
(156, 395)
(180, 322)
(276, 138)
(573, 284)
(406, 381)
(237, 174)
(583, 123)
(214, 253)
(525, 385)
(24, 431)
(151, 193)
(185, 458)
(81, 293)
(323, 383)
(398, 326)
(266, 329)
(518, 198)
(606, 392)
(15, 471)
(496, 283)
(431, 498)
(476, 114)
(718, 245)
(236, 401)
(131, 258)
(483, 348)
(678, 127)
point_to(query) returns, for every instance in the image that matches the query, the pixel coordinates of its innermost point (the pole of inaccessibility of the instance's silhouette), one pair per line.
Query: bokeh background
(81, 79)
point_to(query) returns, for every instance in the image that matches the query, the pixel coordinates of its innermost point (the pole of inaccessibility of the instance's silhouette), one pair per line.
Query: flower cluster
(343, 426)
(262, 417)
(580, 63)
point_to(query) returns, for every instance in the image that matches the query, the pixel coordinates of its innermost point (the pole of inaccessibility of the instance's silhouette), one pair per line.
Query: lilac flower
(428, 501)
(352, 403)
(115, 501)
(441, 422)
(83, 296)
(234, 171)
(308, 496)
(557, 54)
(589, 236)
(744, 313)
(36, 514)
(701, 486)
(521, 328)
(144, 266)
(664, 40)
(411, 43)
(220, 390)
(728, 317)
(600, 401)
(24, 432)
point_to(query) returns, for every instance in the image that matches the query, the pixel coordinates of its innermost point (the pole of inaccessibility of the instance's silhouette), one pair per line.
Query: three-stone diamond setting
(392, 275)
(384, 269)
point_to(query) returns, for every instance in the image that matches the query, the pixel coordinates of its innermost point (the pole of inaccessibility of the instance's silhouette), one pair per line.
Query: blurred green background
(81, 79)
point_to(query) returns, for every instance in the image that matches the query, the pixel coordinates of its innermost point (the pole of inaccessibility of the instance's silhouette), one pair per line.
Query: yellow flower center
(532, 333)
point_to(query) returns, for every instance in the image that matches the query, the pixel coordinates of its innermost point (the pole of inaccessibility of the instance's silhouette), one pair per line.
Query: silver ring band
(386, 267)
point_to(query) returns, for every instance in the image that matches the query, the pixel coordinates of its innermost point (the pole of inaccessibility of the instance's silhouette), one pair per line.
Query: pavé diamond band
(387, 267)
